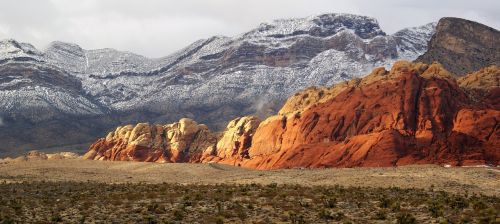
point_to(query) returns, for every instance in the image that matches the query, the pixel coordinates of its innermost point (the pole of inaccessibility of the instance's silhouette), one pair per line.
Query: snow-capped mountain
(211, 80)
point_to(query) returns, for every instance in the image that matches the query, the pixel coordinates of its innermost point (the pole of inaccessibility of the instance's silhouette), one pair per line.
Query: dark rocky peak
(463, 46)
(363, 26)
(58, 47)
(11, 48)
(319, 26)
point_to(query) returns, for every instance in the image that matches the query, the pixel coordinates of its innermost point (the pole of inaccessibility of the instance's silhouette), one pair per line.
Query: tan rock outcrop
(486, 78)
(33, 155)
(36, 155)
(235, 141)
(183, 141)
(62, 155)
(483, 85)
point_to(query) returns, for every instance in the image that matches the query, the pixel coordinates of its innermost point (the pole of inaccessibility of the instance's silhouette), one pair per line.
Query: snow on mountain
(412, 42)
(11, 50)
(320, 26)
(39, 92)
(212, 79)
(289, 53)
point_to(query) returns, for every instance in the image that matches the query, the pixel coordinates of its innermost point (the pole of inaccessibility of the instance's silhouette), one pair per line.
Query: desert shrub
(240, 211)
(396, 207)
(297, 218)
(6, 220)
(286, 203)
(56, 218)
(219, 220)
(325, 215)
(178, 215)
(384, 202)
(338, 216)
(405, 218)
(479, 204)
(459, 202)
(219, 207)
(150, 220)
(489, 216)
(435, 209)
(330, 202)
(82, 220)
(380, 215)
(272, 185)
(250, 206)
(304, 203)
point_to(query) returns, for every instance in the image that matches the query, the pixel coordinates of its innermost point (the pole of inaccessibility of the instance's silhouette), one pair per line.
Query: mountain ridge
(210, 80)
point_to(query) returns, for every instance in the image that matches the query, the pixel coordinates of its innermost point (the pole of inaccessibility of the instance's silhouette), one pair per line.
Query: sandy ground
(472, 180)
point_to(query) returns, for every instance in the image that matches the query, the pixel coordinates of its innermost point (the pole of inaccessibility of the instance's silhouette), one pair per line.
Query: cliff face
(414, 114)
(183, 141)
(463, 46)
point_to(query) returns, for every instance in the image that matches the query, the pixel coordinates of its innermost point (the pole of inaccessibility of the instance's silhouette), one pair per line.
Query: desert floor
(455, 180)
(78, 191)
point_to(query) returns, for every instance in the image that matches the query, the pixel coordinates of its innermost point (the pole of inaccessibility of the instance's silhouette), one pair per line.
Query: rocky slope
(463, 46)
(68, 95)
(413, 114)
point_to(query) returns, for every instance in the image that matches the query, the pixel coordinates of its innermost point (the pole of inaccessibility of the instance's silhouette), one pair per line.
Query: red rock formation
(413, 114)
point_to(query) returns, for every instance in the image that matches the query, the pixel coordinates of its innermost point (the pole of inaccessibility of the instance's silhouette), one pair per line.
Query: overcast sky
(156, 28)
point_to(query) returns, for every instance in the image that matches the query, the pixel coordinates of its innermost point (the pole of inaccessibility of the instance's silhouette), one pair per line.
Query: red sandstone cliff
(413, 114)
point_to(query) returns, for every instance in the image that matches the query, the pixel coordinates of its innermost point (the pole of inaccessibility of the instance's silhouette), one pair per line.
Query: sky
(156, 28)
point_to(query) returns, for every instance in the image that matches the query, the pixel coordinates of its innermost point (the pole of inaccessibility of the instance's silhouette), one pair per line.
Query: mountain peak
(63, 45)
(10, 48)
(472, 44)
(323, 25)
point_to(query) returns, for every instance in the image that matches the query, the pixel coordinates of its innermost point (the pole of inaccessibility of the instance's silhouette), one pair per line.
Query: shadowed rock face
(414, 114)
(463, 46)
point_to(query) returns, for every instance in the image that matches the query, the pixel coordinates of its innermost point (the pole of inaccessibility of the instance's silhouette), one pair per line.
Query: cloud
(156, 28)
